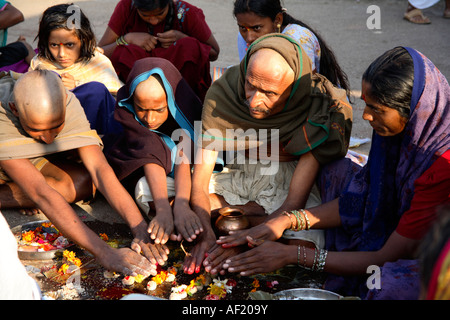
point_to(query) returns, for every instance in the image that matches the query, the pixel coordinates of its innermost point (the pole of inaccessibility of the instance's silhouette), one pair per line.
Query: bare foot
(30, 211)
(30, 49)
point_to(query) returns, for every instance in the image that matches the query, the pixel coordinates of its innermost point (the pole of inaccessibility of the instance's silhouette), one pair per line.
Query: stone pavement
(344, 24)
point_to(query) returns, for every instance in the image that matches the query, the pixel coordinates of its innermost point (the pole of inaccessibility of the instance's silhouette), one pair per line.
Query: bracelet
(289, 216)
(120, 41)
(308, 225)
(318, 264)
(321, 260)
(300, 221)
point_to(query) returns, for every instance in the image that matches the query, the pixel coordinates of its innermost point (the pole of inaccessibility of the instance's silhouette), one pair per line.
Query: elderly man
(287, 123)
(43, 125)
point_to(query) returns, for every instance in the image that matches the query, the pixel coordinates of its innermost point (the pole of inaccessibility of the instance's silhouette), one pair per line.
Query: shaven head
(40, 104)
(268, 83)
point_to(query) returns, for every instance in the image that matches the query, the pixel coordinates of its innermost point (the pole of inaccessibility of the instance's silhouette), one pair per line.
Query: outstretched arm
(203, 168)
(107, 183)
(62, 215)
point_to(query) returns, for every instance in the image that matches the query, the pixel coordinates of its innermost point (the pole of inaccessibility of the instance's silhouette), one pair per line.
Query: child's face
(154, 17)
(65, 46)
(150, 103)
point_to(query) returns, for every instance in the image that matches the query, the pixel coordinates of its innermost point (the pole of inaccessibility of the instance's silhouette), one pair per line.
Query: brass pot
(231, 219)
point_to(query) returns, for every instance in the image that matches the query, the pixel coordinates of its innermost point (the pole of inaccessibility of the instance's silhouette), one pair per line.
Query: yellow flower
(28, 236)
(139, 278)
(63, 268)
(71, 257)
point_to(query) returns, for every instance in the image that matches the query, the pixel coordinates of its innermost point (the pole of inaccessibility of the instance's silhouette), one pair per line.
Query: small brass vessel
(231, 219)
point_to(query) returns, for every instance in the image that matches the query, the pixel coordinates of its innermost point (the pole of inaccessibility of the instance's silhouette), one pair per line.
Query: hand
(264, 231)
(155, 253)
(126, 261)
(266, 256)
(217, 256)
(161, 226)
(187, 223)
(168, 38)
(144, 40)
(193, 262)
(68, 81)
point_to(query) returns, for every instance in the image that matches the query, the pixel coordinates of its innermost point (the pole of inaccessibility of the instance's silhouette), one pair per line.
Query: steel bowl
(34, 255)
(307, 294)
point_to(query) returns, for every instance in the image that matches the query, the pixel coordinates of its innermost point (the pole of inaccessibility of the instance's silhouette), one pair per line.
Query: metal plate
(306, 294)
(32, 255)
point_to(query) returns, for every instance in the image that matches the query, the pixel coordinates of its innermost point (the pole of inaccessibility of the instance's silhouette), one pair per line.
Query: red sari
(189, 55)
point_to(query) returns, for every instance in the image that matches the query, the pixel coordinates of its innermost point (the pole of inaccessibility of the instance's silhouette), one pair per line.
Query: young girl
(256, 18)
(152, 107)
(170, 29)
(72, 53)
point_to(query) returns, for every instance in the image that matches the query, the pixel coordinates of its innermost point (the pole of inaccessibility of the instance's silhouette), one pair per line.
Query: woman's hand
(266, 256)
(144, 40)
(217, 256)
(270, 230)
(193, 261)
(168, 38)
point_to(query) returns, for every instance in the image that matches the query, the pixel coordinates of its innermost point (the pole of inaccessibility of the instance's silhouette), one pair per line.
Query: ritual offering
(39, 240)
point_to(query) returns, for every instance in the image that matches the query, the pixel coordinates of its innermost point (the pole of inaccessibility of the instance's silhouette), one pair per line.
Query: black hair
(391, 80)
(150, 5)
(56, 17)
(329, 66)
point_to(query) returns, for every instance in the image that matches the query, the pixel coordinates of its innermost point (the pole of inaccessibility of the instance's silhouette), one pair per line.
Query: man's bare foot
(30, 211)
(30, 49)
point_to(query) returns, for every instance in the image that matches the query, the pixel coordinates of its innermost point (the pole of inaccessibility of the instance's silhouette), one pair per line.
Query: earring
(279, 27)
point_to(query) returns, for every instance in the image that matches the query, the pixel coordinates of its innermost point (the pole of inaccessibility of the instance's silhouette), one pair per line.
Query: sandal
(416, 16)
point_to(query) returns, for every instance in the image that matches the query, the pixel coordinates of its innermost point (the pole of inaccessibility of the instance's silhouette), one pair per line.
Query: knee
(74, 187)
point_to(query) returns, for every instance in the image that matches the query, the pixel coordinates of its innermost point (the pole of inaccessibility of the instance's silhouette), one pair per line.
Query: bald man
(43, 123)
(289, 133)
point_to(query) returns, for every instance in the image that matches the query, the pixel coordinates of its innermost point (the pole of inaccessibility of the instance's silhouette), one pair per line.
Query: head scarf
(137, 145)
(315, 118)
(373, 202)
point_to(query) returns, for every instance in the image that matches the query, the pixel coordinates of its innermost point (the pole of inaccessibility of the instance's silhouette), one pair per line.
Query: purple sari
(373, 198)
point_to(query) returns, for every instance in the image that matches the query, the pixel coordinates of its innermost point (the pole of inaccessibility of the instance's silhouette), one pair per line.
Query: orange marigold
(28, 236)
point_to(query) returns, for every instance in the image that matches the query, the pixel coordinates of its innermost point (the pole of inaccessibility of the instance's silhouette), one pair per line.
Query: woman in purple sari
(378, 214)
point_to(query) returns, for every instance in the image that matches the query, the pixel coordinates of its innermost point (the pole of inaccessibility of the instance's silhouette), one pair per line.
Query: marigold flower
(63, 268)
(28, 236)
(104, 236)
